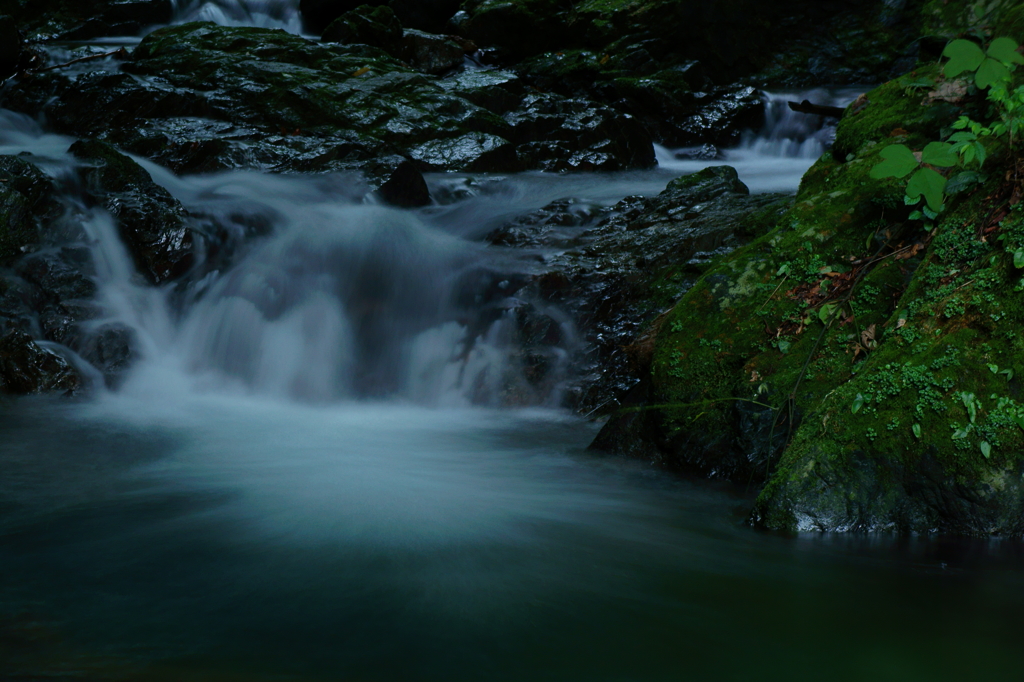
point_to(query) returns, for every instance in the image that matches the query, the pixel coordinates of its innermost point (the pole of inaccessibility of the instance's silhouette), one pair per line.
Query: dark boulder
(152, 223)
(26, 367)
(431, 53)
(317, 15)
(426, 15)
(27, 207)
(405, 187)
(374, 26)
(520, 29)
(560, 134)
(10, 47)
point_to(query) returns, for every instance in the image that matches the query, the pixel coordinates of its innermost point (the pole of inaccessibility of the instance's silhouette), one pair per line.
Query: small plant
(992, 69)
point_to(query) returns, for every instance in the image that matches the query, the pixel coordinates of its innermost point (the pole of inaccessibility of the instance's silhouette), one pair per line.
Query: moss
(893, 109)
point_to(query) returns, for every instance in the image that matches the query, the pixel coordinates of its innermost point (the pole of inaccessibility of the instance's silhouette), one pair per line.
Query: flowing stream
(306, 476)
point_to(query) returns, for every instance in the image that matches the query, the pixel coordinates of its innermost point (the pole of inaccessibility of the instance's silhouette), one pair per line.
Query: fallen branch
(120, 52)
(807, 107)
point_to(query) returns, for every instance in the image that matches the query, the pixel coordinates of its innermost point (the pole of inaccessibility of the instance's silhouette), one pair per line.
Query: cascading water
(774, 158)
(282, 14)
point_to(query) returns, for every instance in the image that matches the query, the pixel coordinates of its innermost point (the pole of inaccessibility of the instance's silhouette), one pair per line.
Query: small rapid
(774, 158)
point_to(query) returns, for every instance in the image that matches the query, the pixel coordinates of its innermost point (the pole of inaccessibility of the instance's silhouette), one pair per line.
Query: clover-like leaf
(991, 72)
(939, 154)
(1005, 50)
(963, 56)
(929, 184)
(898, 161)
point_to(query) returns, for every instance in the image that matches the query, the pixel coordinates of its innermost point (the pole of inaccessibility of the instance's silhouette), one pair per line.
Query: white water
(283, 14)
(774, 158)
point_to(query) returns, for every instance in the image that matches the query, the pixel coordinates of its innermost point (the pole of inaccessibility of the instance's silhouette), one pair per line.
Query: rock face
(26, 368)
(152, 223)
(614, 271)
(85, 19)
(858, 359)
(201, 97)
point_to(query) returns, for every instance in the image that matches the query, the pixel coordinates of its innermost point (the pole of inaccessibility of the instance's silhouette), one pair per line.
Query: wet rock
(405, 188)
(474, 152)
(27, 207)
(431, 53)
(153, 224)
(10, 47)
(26, 368)
(520, 28)
(62, 290)
(377, 26)
(205, 97)
(109, 349)
(425, 15)
(318, 14)
(126, 18)
(615, 270)
(678, 104)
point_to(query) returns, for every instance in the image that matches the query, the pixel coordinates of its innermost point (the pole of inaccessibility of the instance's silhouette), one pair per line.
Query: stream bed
(243, 507)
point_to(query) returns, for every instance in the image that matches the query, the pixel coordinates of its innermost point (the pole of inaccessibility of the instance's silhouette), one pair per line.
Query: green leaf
(825, 312)
(991, 73)
(784, 346)
(858, 403)
(898, 162)
(939, 154)
(1008, 373)
(1018, 259)
(916, 428)
(963, 135)
(1005, 50)
(929, 184)
(993, 368)
(986, 449)
(964, 55)
(961, 181)
(784, 270)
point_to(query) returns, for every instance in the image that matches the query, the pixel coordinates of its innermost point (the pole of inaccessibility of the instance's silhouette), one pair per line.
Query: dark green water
(233, 539)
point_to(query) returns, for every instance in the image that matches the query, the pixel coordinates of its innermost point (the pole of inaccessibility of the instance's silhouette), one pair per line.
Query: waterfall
(774, 158)
(283, 14)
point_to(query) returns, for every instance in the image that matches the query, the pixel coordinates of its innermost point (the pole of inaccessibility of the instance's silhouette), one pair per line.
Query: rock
(27, 207)
(615, 270)
(152, 223)
(425, 15)
(205, 97)
(109, 349)
(10, 47)
(317, 15)
(521, 28)
(377, 26)
(431, 53)
(26, 368)
(473, 152)
(577, 135)
(405, 188)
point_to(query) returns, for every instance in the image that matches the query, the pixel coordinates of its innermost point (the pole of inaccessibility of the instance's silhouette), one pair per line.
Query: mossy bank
(860, 362)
